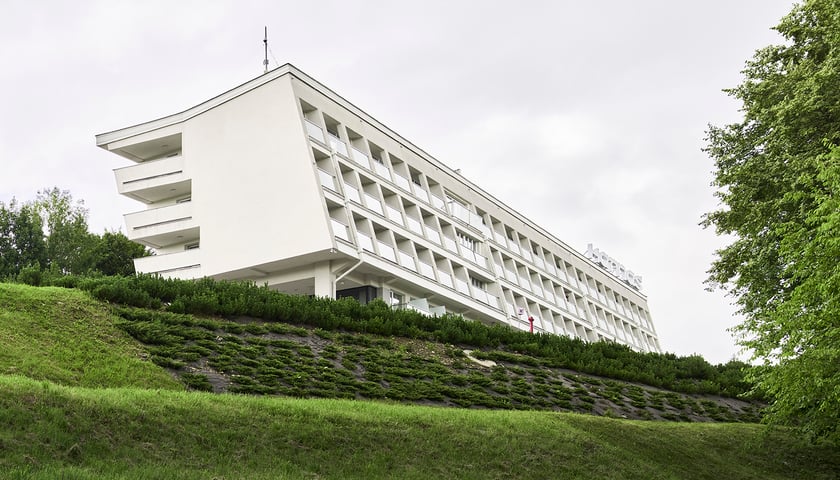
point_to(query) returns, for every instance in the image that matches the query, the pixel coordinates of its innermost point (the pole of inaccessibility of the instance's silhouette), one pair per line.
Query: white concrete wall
(255, 192)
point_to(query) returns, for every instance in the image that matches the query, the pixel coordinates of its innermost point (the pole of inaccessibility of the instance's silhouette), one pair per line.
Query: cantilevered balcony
(164, 226)
(154, 180)
(184, 265)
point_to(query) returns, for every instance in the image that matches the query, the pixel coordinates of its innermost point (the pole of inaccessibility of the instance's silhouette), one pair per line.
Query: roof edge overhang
(104, 139)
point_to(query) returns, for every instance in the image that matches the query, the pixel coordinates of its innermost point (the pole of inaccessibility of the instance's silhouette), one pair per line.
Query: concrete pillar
(324, 280)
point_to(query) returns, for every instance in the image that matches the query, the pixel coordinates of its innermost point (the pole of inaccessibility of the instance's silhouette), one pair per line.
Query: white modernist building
(283, 182)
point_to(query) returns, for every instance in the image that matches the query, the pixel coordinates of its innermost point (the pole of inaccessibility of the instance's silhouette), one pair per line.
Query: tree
(51, 233)
(69, 243)
(114, 254)
(21, 239)
(778, 183)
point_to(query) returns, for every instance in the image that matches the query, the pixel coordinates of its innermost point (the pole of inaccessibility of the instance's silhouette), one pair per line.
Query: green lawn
(64, 336)
(52, 431)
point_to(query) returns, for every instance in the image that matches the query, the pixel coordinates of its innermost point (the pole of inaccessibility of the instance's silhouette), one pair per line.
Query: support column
(324, 280)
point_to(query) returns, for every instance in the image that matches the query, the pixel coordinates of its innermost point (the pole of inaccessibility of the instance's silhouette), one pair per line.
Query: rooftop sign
(615, 268)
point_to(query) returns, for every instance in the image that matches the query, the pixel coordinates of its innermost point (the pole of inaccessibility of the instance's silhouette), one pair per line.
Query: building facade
(283, 182)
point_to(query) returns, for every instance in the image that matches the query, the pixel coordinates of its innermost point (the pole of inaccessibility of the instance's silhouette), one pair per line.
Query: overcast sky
(587, 117)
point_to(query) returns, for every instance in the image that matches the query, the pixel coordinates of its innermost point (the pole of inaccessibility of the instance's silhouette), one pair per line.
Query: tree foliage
(70, 245)
(22, 241)
(778, 183)
(51, 234)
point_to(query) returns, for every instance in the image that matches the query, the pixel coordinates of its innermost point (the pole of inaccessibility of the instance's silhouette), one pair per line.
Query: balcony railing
(393, 215)
(402, 182)
(438, 202)
(450, 244)
(420, 193)
(511, 276)
(169, 262)
(337, 145)
(407, 261)
(445, 279)
(360, 157)
(462, 286)
(500, 239)
(340, 230)
(374, 204)
(352, 193)
(314, 131)
(387, 251)
(327, 180)
(432, 234)
(484, 297)
(365, 242)
(381, 170)
(414, 225)
(426, 269)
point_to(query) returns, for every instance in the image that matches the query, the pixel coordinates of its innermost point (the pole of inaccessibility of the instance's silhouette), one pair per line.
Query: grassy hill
(66, 337)
(63, 432)
(80, 398)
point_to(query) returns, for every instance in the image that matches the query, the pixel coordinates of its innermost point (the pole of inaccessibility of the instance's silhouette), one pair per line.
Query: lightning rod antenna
(265, 42)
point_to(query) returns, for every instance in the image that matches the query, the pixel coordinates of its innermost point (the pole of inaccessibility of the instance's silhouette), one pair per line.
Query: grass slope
(65, 337)
(51, 431)
(61, 353)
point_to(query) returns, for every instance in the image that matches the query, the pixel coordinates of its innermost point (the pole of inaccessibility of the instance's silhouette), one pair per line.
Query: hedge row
(690, 374)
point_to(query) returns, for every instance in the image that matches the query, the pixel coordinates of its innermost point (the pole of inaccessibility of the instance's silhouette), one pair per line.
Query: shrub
(31, 275)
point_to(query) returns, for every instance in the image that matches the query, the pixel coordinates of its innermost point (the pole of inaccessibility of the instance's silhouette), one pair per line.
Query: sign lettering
(615, 268)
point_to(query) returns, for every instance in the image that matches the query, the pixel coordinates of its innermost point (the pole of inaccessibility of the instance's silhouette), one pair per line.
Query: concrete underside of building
(283, 182)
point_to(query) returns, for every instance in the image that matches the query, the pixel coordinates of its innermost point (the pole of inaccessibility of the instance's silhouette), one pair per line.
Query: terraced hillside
(246, 355)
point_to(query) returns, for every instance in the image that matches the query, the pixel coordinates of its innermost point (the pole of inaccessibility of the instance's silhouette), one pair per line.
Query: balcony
(172, 265)
(164, 226)
(154, 180)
